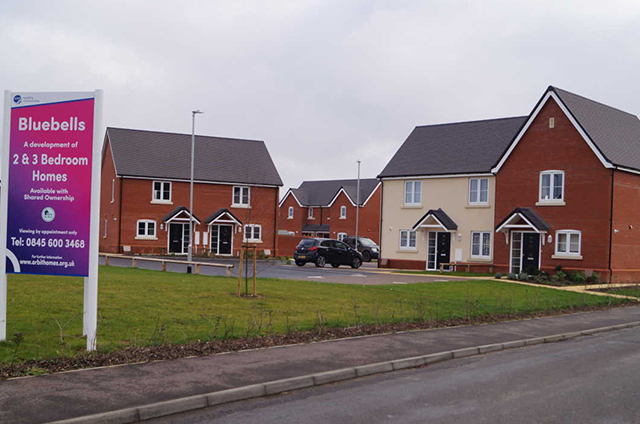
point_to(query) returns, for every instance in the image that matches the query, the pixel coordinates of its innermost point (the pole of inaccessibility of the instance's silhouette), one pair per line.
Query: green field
(139, 308)
(447, 273)
(633, 291)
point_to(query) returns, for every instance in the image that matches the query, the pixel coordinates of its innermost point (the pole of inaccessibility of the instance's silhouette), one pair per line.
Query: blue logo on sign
(17, 99)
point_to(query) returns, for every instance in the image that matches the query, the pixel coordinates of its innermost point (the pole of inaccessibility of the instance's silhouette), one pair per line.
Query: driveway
(368, 274)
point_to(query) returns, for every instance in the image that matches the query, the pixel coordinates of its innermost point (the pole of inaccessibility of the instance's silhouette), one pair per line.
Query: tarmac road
(592, 379)
(368, 274)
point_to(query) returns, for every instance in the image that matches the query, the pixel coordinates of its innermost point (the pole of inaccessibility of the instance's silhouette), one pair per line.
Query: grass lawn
(449, 273)
(139, 308)
(633, 291)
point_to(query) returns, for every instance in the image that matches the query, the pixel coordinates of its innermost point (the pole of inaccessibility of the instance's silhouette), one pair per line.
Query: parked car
(322, 251)
(367, 247)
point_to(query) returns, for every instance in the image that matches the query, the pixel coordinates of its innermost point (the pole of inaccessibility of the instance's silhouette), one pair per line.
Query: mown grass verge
(146, 315)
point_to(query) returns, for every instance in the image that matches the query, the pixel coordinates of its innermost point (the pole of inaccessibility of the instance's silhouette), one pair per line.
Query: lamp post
(357, 204)
(193, 152)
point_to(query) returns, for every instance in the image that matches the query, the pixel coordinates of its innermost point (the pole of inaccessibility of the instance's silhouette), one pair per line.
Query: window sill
(570, 257)
(289, 217)
(480, 259)
(407, 251)
(252, 241)
(310, 219)
(343, 217)
(478, 206)
(239, 206)
(412, 206)
(549, 203)
(161, 202)
(146, 238)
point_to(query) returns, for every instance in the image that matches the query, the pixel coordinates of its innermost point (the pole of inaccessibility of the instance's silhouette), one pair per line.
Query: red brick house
(145, 194)
(328, 209)
(568, 190)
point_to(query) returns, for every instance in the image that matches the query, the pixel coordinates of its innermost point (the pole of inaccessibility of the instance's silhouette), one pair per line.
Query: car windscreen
(308, 243)
(367, 242)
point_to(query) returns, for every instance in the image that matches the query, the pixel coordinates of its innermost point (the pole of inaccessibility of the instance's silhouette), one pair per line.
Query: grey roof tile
(456, 148)
(321, 193)
(153, 154)
(441, 216)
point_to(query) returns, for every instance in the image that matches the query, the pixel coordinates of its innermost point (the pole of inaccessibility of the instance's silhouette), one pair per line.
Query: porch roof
(222, 215)
(523, 218)
(436, 218)
(174, 215)
(316, 228)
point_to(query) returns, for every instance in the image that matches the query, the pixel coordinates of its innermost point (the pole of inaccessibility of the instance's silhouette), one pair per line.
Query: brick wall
(587, 191)
(109, 210)
(625, 249)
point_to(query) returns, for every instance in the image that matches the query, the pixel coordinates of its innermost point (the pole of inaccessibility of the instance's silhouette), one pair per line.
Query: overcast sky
(323, 83)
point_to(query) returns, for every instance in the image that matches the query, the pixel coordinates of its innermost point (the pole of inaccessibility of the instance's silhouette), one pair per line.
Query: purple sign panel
(49, 186)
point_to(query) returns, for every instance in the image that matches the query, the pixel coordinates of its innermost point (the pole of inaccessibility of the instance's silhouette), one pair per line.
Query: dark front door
(225, 240)
(530, 252)
(176, 233)
(444, 249)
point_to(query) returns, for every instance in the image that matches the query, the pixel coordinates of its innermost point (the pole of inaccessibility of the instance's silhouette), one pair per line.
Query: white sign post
(50, 197)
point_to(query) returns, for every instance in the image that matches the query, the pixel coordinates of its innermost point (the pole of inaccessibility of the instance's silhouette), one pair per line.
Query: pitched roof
(321, 193)
(153, 154)
(616, 133)
(220, 212)
(322, 228)
(457, 148)
(177, 211)
(529, 215)
(440, 216)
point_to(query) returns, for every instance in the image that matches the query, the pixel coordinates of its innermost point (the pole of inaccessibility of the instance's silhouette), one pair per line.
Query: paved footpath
(75, 394)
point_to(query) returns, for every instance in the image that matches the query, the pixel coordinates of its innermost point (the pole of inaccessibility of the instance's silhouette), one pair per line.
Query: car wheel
(355, 264)
(335, 265)
(299, 263)
(321, 261)
(366, 256)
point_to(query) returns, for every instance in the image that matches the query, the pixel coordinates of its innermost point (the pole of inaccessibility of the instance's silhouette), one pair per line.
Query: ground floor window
(252, 233)
(146, 229)
(341, 236)
(568, 242)
(480, 244)
(407, 240)
(516, 252)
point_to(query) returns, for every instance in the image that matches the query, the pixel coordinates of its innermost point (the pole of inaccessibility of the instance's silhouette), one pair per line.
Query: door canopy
(523, 219)
(437, 219)
(222, 216)
(180, 214)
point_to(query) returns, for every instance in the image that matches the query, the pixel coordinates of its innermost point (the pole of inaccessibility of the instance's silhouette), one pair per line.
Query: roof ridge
(554, 88)
(472, 121)
(185, 134)
(341, 180)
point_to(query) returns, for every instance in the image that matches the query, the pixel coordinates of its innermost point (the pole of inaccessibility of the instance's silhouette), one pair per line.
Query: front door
(226, 232)
(443, 243)
(530, 252)
(177, 238)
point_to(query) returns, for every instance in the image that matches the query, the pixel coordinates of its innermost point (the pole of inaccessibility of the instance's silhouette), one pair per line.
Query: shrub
(523, 276)
(497, 276)
(594, 278)
(578, 277)
(560, 275)
(558, 268)
(512, 276)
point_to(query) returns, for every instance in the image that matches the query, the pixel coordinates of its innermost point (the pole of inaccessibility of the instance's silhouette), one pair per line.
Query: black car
(326, 251)
(367, 247)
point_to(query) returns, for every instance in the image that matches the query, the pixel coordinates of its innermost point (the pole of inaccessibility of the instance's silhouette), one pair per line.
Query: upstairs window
(568, 242)
(290, 213)
(252, 233)
(551, 186)
(161, 192)
(479, 191)
(240, 196)
(310, 213)
(343, 212)
(413, 193)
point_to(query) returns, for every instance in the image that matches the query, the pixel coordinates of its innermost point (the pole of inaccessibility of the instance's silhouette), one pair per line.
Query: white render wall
(451, 194)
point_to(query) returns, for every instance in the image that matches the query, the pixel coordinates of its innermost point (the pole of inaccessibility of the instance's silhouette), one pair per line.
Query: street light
(193, 149)
(357, 204)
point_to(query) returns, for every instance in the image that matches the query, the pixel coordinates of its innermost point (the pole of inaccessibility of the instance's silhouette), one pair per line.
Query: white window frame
(241, 204)
(412, 193)
(341, 236)
(343, 212)
(162, 185)
(478, 191)
(568, 252)
(551, 174)
(146, 235)
(482, 238)
(252, 239)
(290, 212)
(405, 235)
(113, 190)
(310, 213)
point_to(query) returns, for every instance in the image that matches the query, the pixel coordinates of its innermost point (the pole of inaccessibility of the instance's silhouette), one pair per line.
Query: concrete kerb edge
(191, 403)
